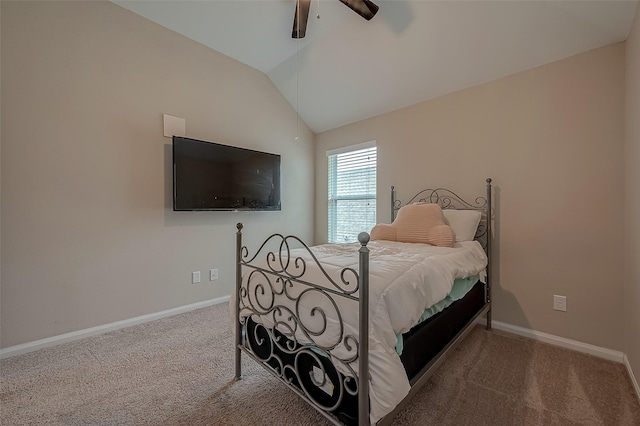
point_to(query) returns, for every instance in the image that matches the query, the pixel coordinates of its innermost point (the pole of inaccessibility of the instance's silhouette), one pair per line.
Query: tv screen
(211, 176)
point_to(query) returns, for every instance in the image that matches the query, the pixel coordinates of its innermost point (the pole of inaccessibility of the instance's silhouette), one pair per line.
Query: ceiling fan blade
(300, 18)
(364, 8)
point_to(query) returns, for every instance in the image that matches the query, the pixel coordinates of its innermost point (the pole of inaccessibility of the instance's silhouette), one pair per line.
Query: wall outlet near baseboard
(560, 303)
(195, 277)
(213, 274)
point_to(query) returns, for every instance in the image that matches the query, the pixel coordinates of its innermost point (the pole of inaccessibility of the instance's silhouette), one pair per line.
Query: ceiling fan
(364, 8)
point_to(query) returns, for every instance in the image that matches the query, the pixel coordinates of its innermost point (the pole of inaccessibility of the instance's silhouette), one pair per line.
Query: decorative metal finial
(364, 238)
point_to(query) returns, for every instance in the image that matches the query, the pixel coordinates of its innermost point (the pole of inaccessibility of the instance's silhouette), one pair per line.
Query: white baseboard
(575, 345)
(80, 334)
(632, 377)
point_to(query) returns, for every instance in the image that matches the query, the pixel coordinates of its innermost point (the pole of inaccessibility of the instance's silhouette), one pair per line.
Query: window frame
(333, 198)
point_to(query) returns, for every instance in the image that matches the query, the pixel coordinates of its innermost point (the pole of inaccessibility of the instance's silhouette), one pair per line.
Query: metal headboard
(448, 199)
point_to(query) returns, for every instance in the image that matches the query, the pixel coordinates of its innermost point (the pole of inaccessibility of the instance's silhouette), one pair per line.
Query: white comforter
(404, 280)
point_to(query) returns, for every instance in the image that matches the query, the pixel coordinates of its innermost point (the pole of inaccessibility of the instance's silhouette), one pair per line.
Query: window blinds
(352, 194)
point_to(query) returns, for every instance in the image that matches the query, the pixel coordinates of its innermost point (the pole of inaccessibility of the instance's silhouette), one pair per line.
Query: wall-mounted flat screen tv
(211, 176)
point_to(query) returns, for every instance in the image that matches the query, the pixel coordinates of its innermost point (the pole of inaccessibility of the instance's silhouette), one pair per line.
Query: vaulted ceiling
(347, 69)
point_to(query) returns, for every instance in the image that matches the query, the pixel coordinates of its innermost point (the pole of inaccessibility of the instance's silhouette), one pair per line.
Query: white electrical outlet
(195, 277)
(560, 303)
(213, 274)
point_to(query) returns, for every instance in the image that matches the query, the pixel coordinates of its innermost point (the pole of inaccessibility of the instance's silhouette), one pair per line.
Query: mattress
(461, 287)
(423, 342)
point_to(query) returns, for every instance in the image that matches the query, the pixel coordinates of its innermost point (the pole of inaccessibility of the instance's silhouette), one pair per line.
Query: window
(352, 191)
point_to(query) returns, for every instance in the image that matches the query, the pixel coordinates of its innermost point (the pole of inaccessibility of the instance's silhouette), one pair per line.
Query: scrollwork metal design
(448, 199)
(294, 267)
(285, 322)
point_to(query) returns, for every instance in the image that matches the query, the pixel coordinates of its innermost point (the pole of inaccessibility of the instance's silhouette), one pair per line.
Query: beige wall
(88, 234)
(552, 140)
(632, 199)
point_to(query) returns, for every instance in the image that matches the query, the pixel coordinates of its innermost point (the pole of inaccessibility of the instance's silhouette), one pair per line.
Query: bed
(298, 309)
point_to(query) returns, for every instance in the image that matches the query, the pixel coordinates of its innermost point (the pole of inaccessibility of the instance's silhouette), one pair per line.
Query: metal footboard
(291, 334)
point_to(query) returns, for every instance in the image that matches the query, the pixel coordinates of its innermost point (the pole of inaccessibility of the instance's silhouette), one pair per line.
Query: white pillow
(463, 222)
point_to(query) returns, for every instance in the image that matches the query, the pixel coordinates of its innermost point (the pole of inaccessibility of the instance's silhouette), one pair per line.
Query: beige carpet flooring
(179, 371)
